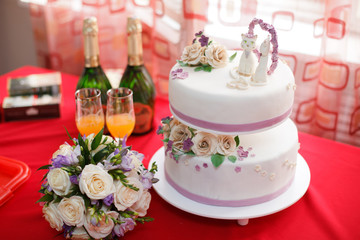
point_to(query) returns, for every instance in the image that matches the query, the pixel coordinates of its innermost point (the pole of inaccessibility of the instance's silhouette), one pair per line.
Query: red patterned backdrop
(319, 39)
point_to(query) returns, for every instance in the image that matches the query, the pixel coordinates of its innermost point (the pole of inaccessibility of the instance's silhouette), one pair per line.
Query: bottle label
(143, 118)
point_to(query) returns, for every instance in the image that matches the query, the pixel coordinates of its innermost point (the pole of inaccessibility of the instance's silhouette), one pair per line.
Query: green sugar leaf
(207, 68)
(232, 159)
(232, 57)
(217, 160)
(237, 140)
(182, 64)
(197, 69)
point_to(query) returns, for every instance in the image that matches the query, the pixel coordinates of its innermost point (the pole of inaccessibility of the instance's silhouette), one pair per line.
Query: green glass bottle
(93, 75)
(137, 78)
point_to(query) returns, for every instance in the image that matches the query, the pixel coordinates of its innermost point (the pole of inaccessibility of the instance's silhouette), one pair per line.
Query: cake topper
(204, 54)
(249, 70)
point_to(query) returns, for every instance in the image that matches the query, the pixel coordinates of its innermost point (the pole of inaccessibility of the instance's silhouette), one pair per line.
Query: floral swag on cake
(180, 139)
(95, 189)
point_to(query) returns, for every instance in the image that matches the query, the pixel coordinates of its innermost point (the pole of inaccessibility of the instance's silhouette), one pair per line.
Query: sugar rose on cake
(96, 189)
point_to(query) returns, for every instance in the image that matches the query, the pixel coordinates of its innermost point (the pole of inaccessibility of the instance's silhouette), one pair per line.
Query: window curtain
(319, 40)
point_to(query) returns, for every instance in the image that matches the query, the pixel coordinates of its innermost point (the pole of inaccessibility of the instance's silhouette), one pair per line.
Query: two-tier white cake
(230, 141)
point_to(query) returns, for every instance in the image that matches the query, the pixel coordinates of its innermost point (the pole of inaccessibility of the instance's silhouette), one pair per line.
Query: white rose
(216, 55)
(204, 144)
(192, 54)
(59, 181)
(142, 205)
(125, 197)
(101, 146)
(79, 233)
(64, 149)
(95, 182)
(179, 133)
(72, 211)
(52, 215)
(226, 145)
(103, 228)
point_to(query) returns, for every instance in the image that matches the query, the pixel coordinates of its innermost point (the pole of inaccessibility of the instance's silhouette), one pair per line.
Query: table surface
(329, 210)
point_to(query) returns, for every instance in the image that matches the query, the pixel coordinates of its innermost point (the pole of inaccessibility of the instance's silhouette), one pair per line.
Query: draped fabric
(319, 39)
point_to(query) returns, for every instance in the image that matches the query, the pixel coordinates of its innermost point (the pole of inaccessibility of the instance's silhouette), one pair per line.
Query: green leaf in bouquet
(45, 175)
(232, 159)
(96, 142)
(44, 167)
(87, 201)
(100, 155)
(166, 140)
(144, 219)
(67, 132)
(46, 198)
(217, 159)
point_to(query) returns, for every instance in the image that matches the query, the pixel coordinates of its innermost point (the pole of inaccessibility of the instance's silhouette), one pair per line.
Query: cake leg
(243, 222)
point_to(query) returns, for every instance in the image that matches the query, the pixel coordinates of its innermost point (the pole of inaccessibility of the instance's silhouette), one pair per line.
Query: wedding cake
(230, 141)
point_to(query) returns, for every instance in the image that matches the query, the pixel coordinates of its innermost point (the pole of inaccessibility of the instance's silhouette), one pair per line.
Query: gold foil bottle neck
(134, 25)
(135, 50)
(91, 45)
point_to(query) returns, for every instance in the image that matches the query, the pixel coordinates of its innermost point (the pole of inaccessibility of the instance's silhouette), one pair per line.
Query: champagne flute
(120, 116)
(89, 116)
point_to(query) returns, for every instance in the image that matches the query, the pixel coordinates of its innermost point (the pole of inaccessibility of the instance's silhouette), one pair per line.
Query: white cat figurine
(260, 76)
(248, 59)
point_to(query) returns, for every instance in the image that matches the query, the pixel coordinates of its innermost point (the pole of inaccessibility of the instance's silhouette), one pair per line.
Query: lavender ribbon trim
(231, 127)
(227, 203)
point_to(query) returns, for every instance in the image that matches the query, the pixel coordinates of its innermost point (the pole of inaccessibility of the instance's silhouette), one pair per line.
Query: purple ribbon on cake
(230, 128)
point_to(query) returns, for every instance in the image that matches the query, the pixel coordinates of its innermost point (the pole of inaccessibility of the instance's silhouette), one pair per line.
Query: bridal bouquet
(95, 189)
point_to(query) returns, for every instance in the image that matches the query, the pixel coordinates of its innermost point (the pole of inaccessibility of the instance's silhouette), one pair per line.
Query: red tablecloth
(329, 210)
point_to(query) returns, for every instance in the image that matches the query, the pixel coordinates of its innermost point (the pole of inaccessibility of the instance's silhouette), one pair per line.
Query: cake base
(242, 214)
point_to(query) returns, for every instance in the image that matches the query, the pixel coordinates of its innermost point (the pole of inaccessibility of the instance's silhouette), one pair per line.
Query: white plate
(293, 194)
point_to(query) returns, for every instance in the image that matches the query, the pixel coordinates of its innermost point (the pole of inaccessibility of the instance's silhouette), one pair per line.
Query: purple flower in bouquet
(178, 73)
(146, 179)
(187, 145)
(127, 224)
(67, 156)
(126, 163)
(108, 200)
(204, 40)
(74, 179)
(159, 130)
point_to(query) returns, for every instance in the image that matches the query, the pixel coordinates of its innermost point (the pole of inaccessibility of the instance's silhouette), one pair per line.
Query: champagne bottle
(93, 75)
(137, 78)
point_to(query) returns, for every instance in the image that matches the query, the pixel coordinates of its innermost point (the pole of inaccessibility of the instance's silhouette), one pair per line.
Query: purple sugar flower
(108, 200)
(187, 144)
(169, 146)
(179, 73)
(159, 130)
(204, 41)
(237, 169)
(197, 168)
(242, 153)
(198, 34)
(127, 224)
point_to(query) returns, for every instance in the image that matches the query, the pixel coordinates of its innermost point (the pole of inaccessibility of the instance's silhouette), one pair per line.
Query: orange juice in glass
(120, 116)
(89, 116)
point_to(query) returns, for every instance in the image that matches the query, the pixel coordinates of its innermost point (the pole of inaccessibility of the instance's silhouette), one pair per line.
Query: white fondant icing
(272, 148)
(206, 97)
